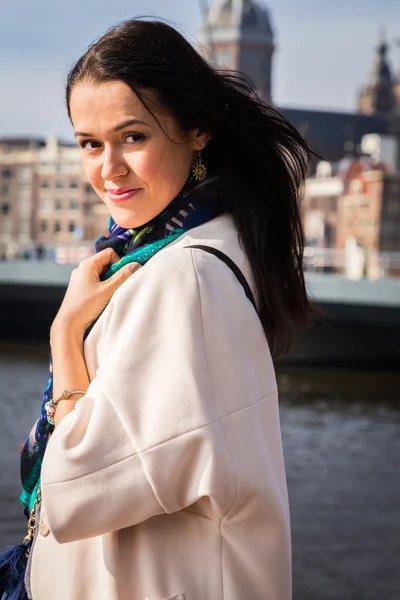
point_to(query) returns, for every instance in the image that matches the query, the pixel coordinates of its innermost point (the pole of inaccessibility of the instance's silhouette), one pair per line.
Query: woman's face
(135, 168)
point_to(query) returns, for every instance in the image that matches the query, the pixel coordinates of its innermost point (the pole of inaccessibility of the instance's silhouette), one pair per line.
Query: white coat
(168, 480)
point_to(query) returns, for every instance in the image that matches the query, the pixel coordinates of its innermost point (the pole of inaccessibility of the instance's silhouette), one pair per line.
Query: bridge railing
(353, 263)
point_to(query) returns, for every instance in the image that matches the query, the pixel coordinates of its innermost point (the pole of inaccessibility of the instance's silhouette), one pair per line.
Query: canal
(341, 436)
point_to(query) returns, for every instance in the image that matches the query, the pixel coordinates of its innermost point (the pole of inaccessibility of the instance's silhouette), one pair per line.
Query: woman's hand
(86, 295)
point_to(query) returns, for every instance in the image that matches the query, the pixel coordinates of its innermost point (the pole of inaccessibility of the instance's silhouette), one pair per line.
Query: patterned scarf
(192, 207)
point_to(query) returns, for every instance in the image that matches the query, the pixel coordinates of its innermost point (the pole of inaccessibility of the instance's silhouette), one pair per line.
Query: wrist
(66, 329)
(66, 340)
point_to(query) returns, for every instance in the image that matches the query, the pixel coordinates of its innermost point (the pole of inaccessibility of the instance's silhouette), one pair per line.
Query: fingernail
(134, 267)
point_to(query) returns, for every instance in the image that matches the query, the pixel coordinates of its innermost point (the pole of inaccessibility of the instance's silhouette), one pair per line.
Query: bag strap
(233, 267)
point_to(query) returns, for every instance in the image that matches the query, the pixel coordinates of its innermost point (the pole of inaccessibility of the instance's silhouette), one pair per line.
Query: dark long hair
(262, 160)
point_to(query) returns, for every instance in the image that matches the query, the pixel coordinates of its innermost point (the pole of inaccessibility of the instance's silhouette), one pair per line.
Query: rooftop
(245, 15)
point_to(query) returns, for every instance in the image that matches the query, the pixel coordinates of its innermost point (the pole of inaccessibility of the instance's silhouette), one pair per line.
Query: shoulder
(181, 270)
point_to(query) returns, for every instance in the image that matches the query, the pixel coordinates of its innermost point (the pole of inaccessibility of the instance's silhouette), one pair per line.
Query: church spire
(397, 84)
(237, 34)
(377, 95)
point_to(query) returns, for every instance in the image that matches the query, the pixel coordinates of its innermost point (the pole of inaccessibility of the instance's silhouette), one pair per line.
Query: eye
(89, 145)
(135, 137)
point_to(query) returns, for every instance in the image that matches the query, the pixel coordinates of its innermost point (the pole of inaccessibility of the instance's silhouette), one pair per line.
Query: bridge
(359, 321)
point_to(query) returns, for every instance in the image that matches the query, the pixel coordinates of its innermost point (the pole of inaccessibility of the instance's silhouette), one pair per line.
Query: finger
(105, 258)
(114, 257)
(122, 275)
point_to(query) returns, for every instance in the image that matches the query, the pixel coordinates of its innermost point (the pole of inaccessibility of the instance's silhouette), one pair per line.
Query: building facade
(352, 198)
(356, 201)
(378, 96)
(237, 34)
(320, 206)
(45, 200)
(369, 211)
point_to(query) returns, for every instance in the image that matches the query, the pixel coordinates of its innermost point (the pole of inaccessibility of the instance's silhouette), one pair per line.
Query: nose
(113, 165)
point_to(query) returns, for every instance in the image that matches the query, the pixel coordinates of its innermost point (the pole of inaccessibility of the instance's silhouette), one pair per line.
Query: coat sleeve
(146, 438)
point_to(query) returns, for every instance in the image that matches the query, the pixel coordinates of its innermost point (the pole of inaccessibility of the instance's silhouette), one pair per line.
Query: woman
(164, 476)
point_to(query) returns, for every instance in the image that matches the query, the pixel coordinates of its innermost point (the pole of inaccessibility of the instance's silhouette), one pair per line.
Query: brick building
(356, 199)
(45, 199)
(369, 211)
(320, 206)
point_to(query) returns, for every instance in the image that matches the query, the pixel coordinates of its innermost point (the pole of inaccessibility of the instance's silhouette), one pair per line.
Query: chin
(131, 217)
(129, 221)
(134, 214)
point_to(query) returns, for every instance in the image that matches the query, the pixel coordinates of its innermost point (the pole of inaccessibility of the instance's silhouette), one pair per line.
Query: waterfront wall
(359, 321)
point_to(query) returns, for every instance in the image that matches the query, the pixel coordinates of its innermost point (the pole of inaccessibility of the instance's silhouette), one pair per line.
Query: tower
(377, 96)
(237, 34)
(394, 122)
(397, 86)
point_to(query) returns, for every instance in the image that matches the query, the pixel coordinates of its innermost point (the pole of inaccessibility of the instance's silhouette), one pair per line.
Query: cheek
(145, 165)
(173, 168)
(147, 162)
(161, 164)
(93, 173)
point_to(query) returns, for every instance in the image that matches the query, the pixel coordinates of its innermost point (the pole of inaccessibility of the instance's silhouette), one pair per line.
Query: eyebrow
(117, 128)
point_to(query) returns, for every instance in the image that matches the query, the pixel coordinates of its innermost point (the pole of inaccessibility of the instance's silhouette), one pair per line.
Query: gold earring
(199, 170)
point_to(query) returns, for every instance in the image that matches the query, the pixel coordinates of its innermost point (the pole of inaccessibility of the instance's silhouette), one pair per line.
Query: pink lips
(119, 195)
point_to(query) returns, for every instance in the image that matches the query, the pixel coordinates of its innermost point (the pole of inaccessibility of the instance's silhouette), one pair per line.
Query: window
(5, 208)
(356, 186)
(24, 207)
(59, 184)
(88, 188)
(73, 184)
(57, 226)
(5, 190)
(44, 226)
(393, 206)
(71, 227)
(388, 227)
(58, 204)
(45, 184)
(45, 204)
(6, 173)
(25, 174)
(73, 205)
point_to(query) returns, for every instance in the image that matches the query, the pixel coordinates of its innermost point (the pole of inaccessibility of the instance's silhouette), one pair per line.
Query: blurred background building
(353, 206)
(352, 194)
(237, 34)
(45, 200)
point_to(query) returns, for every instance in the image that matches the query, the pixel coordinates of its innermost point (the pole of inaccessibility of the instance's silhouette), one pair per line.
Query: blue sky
(324, 50)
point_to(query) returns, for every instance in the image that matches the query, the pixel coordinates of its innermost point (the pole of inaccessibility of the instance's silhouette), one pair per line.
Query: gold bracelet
(65, 395)
(51, 405)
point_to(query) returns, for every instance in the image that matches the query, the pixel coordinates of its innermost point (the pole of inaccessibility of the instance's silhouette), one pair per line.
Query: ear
(200, 139)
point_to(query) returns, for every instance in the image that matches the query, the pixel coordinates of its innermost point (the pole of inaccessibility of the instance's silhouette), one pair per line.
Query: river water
(341, 436)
